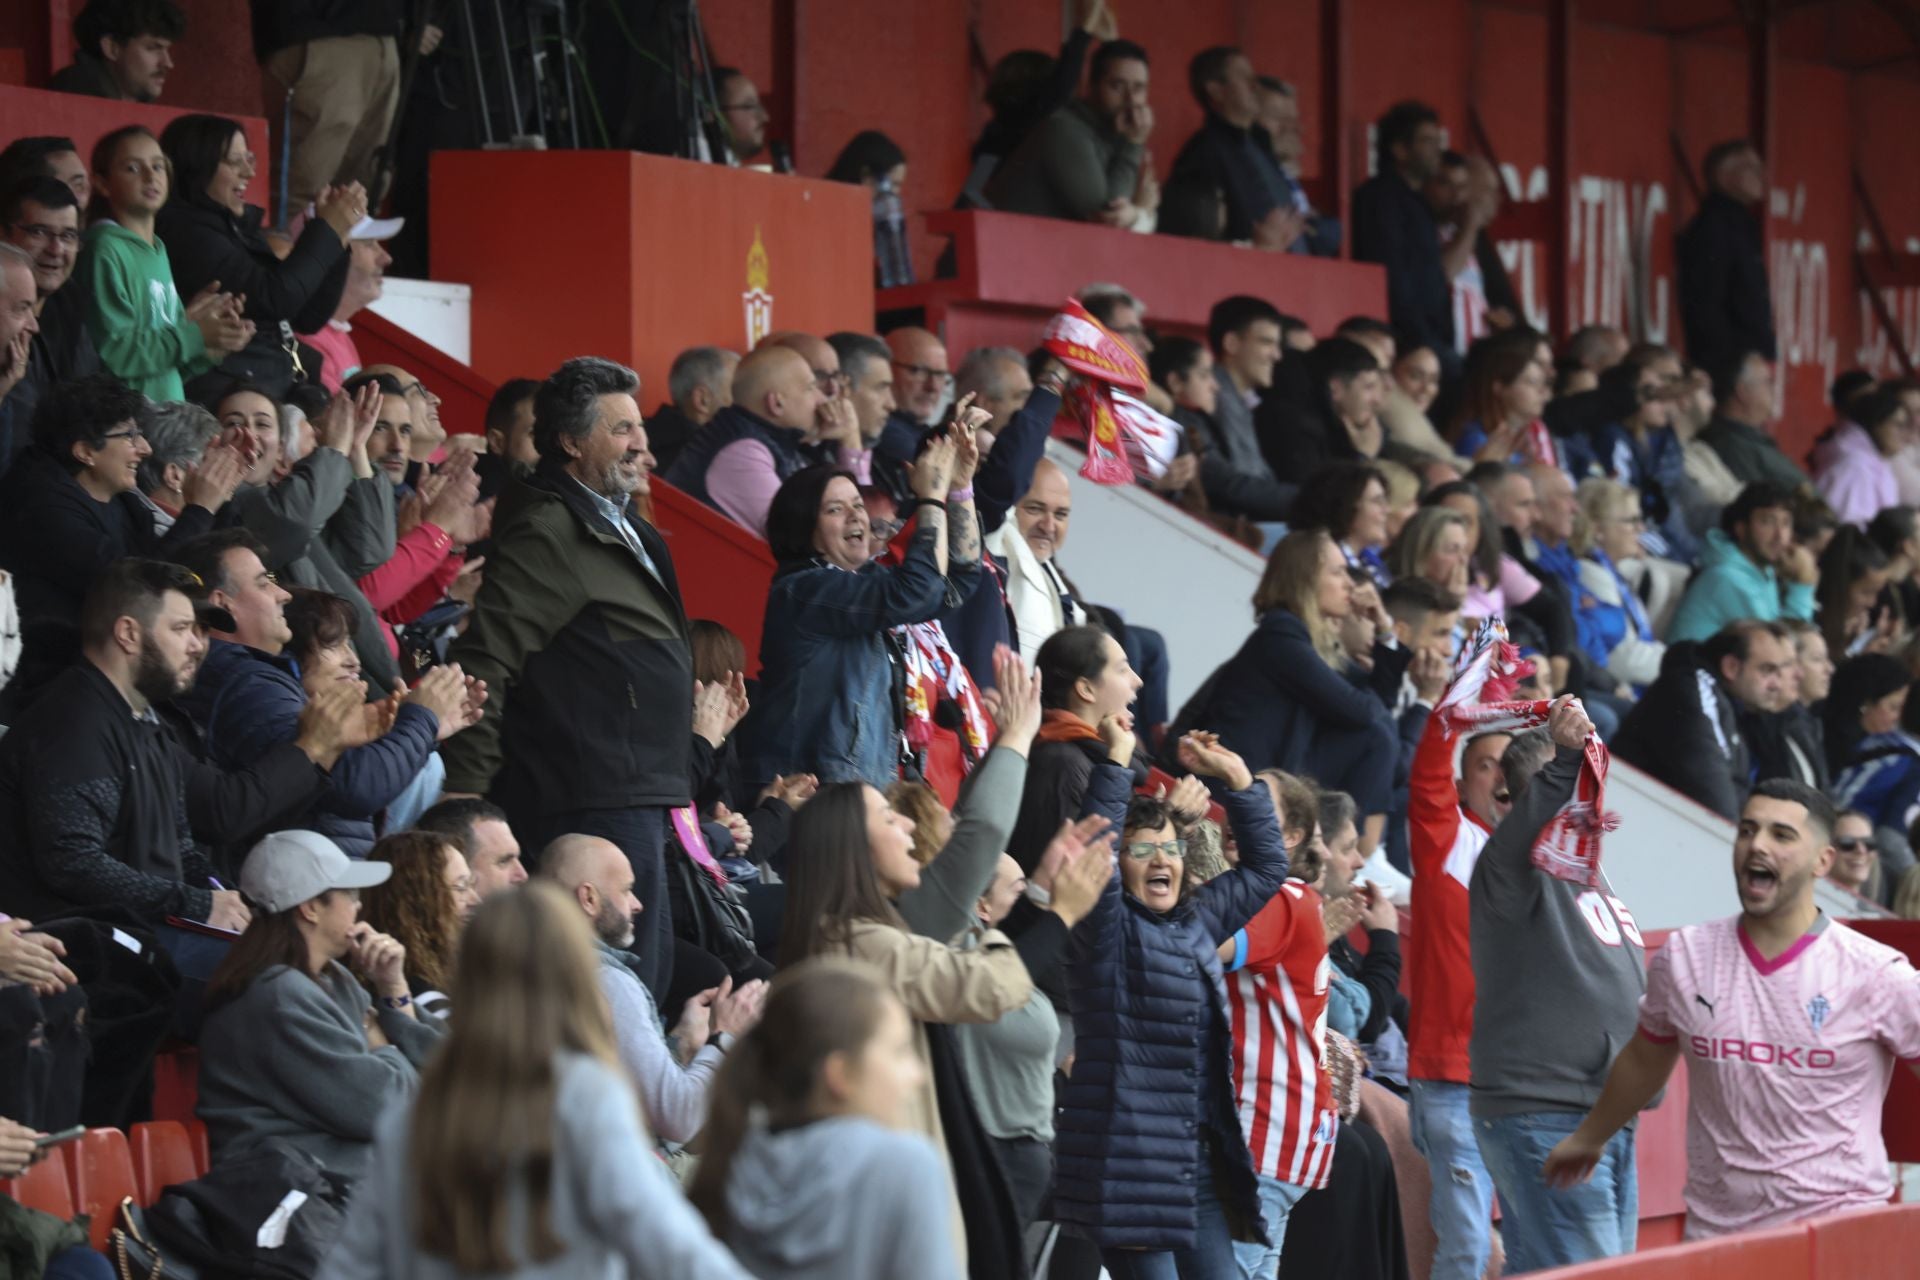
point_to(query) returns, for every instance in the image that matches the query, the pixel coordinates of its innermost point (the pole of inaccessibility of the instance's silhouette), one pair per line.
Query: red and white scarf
(1569, 846)
(1124, 436)
(933, 666)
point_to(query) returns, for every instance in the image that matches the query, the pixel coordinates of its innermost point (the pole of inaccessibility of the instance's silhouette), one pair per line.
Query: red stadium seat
(197, 1134)
(162, 1155)
(176, 1083)
(43, 1186)
(101, 1174)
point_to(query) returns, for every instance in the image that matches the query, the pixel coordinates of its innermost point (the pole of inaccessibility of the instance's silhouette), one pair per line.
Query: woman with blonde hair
(1290, 699)
(1435, 543)
(423, 906)
(808, 1144)
(524, 1152)
(1617, 623)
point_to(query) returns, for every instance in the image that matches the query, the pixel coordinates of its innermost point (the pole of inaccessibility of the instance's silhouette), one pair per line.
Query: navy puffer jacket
(1149, 1018)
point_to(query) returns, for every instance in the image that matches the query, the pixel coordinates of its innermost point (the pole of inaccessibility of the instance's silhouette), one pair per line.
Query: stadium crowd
(569, 938)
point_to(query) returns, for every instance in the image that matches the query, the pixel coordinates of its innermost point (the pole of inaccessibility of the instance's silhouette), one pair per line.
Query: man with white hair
(367, 263)
(178, 434)
(672, 1078)
(699, 385)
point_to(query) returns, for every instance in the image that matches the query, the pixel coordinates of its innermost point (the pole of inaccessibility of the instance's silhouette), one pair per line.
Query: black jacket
(1725, 302)
(1685, 731)
(1379, 972)
(88, 75)
(100, 809)
(1239, 164)
(668, 431)
(280, 23)
(1393, 226)
(285, 296)
(1787, 744)
(61, 352)
(586, 659)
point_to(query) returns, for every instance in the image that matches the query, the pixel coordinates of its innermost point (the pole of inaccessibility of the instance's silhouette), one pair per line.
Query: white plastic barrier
(436, 313)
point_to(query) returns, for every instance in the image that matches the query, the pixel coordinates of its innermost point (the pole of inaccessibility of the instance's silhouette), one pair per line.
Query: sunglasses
(1854, 844)
(1143, 850)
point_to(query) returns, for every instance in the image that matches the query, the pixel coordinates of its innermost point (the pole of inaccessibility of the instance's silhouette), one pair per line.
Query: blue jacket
(1656, 468)
(1883, 781)
(827, 703)
(257, 703)
(1731, 586)
(1150, 1022)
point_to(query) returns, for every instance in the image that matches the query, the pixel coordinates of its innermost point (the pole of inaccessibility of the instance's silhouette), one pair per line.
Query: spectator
(1789, 742)
(1870, 744)
(1339, 421)
(1505, 393)
(1597, 347)
(215, 239)
(46, 156)
(1085, 161)
(1153, 1200)
(1037, 598)
(1231, 154)
(737, 462)
(481, 832)
(1349, 501)
(699, 385)
(1449, 819)
(581, 598)
(1743, 564)
(423, 906)
(331, 83)
(1856, 860)
(1716, 483)
(134, 314)
(1647, 450)
(673, 1077)
(19, 319)
(367, 263)
(1685, 730)
(866, 362)
(810, 1140)
(509, 430)
(1085, 680)
(73, 505)
(1409, 395)
(1277, 967)
(423, 408)
(106, 810)
(1850, 597)
(1853, 467)
(1464, 195)
(1615, 626)
(1726, 306)
(259, 677)
(123, 49)
(829, 610)
(719, 659)
(1285, 701)
(1280, 117)
(178, 435)
(1436, 544)
(743, 120)
(850, 865)
(562, 1176)
(1556, 965)
(1392, 225)
(1744, 392)
(1244, 333)
(41, 217)
(920, 378)
(1778, 1156)
(294, 1049)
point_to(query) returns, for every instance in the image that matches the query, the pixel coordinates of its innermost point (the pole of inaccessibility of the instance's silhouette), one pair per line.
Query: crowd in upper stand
(300, 691)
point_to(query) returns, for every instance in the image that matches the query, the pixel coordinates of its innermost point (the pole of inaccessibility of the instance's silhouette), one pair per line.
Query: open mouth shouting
(1758, 880)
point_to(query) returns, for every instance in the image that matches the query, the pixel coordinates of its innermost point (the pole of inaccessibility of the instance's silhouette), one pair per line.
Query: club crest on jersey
(1817, 1011)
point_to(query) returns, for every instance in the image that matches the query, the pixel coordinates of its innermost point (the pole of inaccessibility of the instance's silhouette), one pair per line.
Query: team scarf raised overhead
(1124, 436)
(932, 666)
(1568, 847)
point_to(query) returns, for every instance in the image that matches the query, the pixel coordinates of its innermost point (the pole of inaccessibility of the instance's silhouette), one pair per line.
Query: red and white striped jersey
(1278, 992)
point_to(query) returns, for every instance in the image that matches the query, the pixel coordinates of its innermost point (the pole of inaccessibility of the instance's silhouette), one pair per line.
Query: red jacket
(1445, 842)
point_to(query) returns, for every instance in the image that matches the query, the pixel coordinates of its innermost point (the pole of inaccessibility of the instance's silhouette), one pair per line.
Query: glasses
(131, 433)
(246, 160)
(1143, 850)
(1631, 522)
(831, 380)
(938, 377)
(885, 530)
(1855, 844)
(40, 233)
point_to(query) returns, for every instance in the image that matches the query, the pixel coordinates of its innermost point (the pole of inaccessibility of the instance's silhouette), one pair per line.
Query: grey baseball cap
(288, 868)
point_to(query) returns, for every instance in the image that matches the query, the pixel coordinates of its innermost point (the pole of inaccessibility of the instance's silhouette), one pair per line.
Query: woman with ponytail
(524, 1152)
(807, 1171)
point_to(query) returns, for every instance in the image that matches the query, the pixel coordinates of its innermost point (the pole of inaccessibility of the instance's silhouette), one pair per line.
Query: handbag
(707, 911)
(271, 1213)
(134, 1254)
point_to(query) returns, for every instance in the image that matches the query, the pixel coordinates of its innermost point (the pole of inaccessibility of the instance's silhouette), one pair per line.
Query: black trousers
(642, 834)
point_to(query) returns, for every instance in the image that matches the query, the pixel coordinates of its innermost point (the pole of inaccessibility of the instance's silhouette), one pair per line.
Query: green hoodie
(134, 313)
(1730, 586)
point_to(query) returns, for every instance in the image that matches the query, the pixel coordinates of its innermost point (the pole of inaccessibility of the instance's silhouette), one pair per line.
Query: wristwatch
(721, 1040)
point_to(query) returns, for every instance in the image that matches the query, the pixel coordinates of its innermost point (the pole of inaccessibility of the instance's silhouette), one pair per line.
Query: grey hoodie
(841, 1199)
(1558, 969)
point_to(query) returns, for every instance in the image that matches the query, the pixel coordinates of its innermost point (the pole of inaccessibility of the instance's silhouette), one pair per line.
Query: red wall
(911, 69)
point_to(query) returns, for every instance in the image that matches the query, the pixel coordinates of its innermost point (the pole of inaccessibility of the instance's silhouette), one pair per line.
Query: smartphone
(64, 1135)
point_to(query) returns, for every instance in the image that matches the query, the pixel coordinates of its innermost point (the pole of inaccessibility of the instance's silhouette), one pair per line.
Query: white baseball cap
(372, 228)
(288, 868)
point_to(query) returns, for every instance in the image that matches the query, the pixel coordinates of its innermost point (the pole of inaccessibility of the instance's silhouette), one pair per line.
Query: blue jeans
(1209, 1257)
(1461, 1204)
(1545, 1227)
(1277, 1198)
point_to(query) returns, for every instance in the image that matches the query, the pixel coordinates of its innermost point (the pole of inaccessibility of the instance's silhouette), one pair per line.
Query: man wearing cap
(294, 1049)
(100, 807)
(367, 263)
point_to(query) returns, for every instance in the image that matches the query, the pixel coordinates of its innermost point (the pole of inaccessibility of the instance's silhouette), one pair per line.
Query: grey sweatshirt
(610, 1200)
(673, 1097)
(983, 820)
(1557, 968)
(288, 1059)
(841, 1199)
